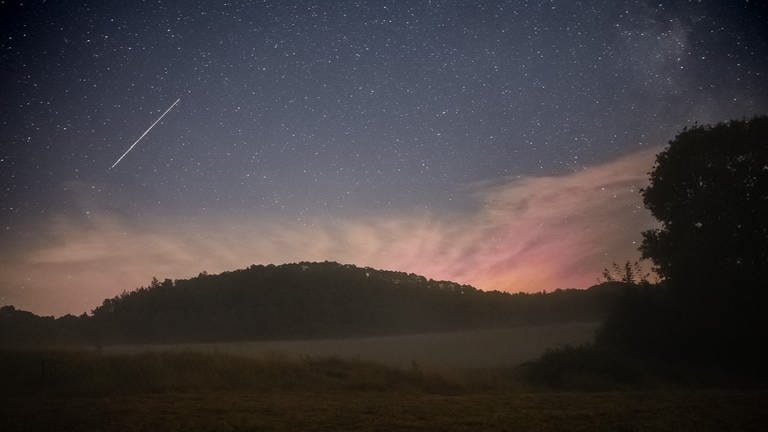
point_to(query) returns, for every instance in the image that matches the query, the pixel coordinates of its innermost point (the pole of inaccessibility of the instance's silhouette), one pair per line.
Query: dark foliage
(585, 368)
(709, 190)
(304, 300)
(705, 322)
(21, 328)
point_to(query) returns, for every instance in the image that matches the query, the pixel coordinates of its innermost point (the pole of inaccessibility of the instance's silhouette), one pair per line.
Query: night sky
(501, 144)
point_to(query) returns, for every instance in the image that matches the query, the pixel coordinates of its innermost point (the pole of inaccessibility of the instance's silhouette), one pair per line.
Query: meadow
(185, 391)
(458, 381)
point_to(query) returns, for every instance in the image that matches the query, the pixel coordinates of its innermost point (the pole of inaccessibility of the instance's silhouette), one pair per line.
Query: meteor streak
(145, 132)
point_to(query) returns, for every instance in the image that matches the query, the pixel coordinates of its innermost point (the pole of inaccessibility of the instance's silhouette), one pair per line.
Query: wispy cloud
(526, 234)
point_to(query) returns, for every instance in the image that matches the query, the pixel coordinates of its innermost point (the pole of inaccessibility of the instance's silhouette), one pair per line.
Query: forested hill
(304, 300)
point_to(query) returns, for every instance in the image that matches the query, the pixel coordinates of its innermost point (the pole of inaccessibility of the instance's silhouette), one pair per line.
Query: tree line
(301, 301)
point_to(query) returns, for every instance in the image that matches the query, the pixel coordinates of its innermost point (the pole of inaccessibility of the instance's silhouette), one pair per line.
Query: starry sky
(497, 143)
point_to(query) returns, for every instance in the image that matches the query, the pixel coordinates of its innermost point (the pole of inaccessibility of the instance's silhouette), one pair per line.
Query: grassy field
(87, 391)
(464, 349)
(391, 411)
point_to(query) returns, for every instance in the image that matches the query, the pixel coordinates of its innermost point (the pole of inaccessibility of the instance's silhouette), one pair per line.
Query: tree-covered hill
(303, 300)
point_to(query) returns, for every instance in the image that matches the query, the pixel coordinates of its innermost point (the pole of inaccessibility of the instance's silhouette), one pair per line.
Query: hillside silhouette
(301, 301)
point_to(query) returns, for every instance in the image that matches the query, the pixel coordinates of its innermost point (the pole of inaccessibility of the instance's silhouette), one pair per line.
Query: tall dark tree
(706, 319)
(709, 190)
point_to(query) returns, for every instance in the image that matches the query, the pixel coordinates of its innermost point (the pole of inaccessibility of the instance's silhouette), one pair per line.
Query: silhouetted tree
(629, 273)
(705, 321)
(709, 190)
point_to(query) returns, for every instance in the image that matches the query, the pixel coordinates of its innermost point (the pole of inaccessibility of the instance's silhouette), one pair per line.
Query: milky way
(496, 143)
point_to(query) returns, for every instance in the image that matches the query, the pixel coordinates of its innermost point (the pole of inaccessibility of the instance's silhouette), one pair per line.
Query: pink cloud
(526, 234)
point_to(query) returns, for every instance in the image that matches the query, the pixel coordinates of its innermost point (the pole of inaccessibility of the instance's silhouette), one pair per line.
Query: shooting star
(145, 132)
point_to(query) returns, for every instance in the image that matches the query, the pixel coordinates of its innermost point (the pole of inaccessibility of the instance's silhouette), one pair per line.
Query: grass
(379, 411)
(87, 391)
(82, 373)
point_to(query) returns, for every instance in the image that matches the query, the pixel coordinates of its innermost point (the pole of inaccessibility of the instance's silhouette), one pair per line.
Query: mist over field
(502, 348)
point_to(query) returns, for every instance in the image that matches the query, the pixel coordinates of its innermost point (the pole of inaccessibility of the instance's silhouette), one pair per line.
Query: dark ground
(90, 391)
(385, 411)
